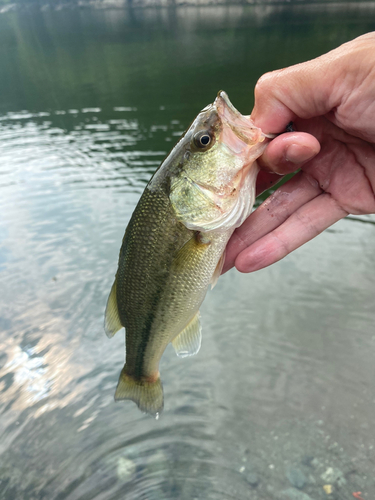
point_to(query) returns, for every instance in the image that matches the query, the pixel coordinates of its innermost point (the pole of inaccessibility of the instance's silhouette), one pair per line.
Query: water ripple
(68, 190)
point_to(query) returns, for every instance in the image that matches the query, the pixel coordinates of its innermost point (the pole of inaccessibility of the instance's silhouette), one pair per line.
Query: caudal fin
(147, 395)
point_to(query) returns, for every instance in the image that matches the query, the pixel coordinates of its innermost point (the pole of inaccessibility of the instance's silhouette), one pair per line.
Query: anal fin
(188, 342)
(112, 323)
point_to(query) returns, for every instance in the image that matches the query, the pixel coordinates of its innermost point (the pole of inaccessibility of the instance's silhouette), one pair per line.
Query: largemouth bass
(174, 245)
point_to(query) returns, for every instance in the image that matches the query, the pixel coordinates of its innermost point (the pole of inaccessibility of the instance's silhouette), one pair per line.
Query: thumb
(309, 89)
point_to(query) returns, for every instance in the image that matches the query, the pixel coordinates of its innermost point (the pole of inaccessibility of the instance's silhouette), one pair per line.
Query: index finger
(272, 213)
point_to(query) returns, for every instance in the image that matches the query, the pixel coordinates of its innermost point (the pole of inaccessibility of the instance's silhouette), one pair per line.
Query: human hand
(331, 101)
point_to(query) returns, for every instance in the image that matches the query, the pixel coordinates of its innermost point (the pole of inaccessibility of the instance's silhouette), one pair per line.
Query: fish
(174, 245)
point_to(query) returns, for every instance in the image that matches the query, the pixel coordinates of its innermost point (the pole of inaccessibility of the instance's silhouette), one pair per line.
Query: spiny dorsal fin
(112, 322)
(188, 342)
(218, 270)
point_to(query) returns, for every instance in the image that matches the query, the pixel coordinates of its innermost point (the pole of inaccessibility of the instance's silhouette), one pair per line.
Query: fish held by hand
(174, 245)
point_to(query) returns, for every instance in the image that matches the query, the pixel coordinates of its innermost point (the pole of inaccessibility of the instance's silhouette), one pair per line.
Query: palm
(344, 168)
(338, 181)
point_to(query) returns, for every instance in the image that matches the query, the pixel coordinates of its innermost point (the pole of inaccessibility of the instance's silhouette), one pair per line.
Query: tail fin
(148, 396)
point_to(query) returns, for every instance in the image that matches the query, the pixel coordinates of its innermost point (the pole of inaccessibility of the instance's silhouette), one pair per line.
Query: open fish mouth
(239, 132)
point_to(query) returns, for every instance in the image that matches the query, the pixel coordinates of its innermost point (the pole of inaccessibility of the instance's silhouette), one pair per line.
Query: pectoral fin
(188, 342)
(218, 270)
(192, 253)
(112, 322)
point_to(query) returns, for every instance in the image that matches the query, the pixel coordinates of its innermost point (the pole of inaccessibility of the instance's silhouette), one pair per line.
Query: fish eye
(202, 139)
(205, 139)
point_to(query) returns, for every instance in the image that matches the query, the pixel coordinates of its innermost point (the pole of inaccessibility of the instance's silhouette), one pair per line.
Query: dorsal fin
(112, 323)
(188, 342)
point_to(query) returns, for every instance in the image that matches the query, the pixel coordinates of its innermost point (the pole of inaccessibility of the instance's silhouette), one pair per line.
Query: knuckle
(267, 81)
(264, 82)
(282, 246)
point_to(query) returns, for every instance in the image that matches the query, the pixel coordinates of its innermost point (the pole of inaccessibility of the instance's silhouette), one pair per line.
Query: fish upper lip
(242, 127)
(224, 107)
(222, 95)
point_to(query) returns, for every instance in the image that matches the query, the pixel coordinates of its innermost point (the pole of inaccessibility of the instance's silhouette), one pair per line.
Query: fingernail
(296, 153)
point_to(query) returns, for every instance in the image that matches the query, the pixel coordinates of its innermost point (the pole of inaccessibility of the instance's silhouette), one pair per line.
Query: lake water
(280, 401)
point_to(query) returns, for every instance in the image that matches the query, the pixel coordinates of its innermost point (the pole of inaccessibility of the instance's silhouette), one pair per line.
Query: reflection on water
(280, 400)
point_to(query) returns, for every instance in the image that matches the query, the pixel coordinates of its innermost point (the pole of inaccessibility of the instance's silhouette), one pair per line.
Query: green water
(91, 100)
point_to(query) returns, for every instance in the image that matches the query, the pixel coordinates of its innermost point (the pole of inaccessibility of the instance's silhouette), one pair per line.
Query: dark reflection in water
(280, 401)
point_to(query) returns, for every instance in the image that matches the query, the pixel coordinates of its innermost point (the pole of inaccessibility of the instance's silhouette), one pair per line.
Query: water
(90, 103)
